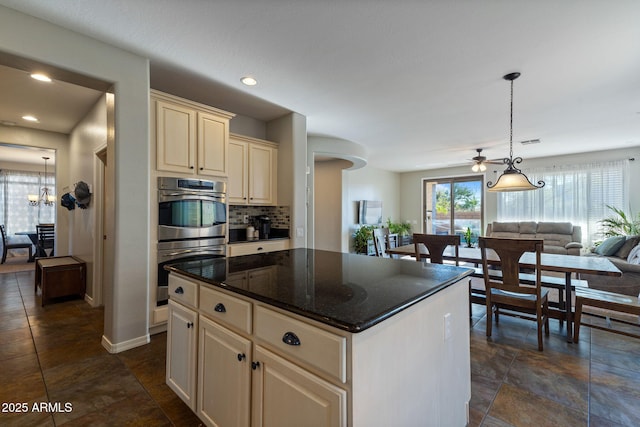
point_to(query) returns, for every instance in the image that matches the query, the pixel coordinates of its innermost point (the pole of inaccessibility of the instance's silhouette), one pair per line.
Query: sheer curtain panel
(15, 212)
(575, 193)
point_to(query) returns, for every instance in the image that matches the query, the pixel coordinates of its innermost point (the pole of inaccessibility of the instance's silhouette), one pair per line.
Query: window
(444, 214)
(577, 193)
(15, 212)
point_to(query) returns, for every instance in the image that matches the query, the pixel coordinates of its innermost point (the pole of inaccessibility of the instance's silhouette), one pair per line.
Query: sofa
(558, 237)
(629, 283)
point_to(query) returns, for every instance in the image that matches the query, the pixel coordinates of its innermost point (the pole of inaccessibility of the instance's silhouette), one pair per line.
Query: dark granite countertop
(347, 291)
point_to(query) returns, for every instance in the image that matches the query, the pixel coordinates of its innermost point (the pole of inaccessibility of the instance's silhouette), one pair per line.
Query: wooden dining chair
(508, 293)
(436, 245)
(6, 246)
(381, 241)
(46, 240)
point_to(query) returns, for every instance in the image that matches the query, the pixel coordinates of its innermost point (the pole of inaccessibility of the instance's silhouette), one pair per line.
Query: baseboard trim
(125, 345)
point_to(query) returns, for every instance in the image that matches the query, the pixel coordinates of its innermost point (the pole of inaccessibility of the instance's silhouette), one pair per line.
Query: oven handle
(192, 251)
(172, 197)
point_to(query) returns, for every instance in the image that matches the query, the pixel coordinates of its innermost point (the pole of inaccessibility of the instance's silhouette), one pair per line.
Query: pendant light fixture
(45, 197)
(512, 179)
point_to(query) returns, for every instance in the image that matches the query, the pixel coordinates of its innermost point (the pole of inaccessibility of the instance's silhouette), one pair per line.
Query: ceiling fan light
(475, 167)
(482, 167)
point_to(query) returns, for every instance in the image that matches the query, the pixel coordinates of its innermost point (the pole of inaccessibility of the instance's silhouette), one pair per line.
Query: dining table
(568, 265)
(33, 236)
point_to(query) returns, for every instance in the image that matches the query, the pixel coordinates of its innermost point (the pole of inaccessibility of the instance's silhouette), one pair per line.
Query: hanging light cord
(511, 125)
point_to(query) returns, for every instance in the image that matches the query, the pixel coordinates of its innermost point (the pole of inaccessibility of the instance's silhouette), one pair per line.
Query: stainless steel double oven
(192, 223)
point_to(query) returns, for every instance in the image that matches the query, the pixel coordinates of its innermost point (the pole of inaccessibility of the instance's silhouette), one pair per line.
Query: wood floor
(53, 354)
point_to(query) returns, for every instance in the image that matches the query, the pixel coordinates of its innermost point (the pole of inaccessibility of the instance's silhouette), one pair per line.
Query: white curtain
(574, 193)
(15, 212)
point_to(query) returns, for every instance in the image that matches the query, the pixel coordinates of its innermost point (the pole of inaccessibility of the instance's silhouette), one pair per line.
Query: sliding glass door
(452, 205)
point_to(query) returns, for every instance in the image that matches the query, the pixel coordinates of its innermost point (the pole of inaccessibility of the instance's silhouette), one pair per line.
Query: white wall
(88, 135)
(127, 257)
(369, 183)
(411, 182)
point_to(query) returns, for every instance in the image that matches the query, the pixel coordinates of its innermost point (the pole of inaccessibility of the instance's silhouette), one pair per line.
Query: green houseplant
(361, 238)
(620, 224)
(467, 237)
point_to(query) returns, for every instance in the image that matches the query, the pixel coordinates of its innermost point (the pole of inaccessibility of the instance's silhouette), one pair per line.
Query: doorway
(451, 205)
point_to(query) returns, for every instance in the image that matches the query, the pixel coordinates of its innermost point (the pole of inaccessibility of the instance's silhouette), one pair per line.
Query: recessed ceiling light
(41, 77)
(30, 119)
(249, 81)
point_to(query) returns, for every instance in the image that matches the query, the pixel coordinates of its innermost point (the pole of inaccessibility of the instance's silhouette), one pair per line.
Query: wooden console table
(60, 276)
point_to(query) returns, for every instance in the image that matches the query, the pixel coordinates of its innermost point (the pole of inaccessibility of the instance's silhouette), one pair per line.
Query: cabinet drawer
(315, 346)
(183, 290)
(238, 249)
(226, 309)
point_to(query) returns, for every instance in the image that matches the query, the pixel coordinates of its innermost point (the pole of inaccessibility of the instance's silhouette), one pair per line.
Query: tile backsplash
(279, 215)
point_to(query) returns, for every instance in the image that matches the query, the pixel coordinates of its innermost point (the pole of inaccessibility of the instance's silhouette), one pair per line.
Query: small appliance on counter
(250, 232)
(264, 226)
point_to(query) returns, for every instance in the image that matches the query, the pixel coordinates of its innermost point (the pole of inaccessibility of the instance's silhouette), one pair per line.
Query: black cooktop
(347, 291)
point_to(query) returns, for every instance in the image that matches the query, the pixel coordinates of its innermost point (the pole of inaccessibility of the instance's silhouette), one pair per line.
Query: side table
(60, 276)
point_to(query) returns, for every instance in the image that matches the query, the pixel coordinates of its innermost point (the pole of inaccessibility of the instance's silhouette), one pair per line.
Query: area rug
(16, 264)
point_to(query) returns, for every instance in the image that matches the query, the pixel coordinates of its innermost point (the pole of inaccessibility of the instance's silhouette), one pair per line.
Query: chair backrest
(436, 244)
(4, 236)
(381, 241)
(46, 235)
(508, 253)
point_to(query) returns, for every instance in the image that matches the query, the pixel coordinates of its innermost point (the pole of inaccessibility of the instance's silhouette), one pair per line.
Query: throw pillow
(629, 244)
(611, 245)
(634, 255)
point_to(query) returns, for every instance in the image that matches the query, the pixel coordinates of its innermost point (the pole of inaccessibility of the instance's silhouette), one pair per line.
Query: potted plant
(467, 237)
(402, 229)
(361, 239)
(620, 224)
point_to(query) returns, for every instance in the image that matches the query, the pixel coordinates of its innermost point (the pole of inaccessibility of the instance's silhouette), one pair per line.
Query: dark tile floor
(53, 354)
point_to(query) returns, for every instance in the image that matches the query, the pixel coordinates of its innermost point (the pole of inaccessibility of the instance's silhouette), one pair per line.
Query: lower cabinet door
(224, 380)
(286, 395)
(181, 352)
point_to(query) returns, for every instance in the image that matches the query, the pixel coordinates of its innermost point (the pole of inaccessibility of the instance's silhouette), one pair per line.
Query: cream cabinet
(190, 138)
(182, 352)
(252, 171)
(224, 382)
(244, 379)
(261, 246)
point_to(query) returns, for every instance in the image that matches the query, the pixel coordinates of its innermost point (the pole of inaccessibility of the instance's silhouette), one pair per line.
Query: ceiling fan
(480, 162)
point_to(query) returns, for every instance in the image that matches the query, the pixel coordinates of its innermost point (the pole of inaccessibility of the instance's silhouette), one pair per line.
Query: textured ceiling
(419, 83)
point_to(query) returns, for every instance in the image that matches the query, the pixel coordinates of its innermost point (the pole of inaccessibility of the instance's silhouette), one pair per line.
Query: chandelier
(45, 197)
(512, 179)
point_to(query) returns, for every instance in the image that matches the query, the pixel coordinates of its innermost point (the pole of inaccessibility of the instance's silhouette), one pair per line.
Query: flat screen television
(370, 212)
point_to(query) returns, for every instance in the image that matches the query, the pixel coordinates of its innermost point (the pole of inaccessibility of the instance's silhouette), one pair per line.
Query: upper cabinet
(190, 138)
(252, 171)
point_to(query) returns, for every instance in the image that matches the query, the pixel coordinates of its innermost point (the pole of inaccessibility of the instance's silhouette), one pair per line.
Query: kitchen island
(309, 337)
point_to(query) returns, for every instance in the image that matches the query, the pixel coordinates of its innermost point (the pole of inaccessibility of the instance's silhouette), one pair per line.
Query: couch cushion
(555, 228)
(505, 227)
(554, 239)
(630, 243)
(610, 246)
(528, 227)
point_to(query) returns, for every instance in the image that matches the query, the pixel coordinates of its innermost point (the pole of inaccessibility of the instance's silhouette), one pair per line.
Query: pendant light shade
(45, 198)
(512, 179)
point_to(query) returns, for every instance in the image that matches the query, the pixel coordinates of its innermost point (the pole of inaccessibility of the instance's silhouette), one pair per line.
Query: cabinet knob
(189, 325)
(241, 357)
(201, 169)
(220, 308)
(255, 365)
(190, 167)
(179, 290)
(291, 339)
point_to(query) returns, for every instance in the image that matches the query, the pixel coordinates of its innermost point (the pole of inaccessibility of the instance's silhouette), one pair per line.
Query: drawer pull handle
(255, 365)
(189, 325)
(241, 357)
(179, 290)
(291, 339)
(220, 308)
(260, 248)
